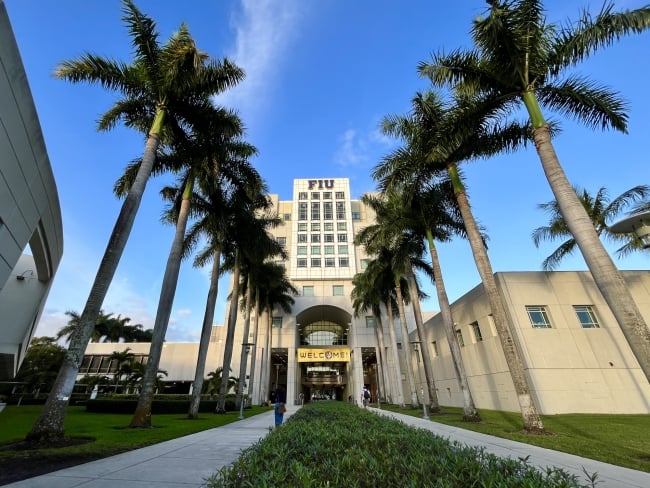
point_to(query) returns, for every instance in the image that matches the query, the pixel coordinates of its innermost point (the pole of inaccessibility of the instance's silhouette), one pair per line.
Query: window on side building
(478, 336)
(586, 316)
(538, 316)
(337, 290)
(277, 322)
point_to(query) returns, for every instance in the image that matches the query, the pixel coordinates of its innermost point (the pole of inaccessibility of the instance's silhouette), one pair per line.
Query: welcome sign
(325, 355)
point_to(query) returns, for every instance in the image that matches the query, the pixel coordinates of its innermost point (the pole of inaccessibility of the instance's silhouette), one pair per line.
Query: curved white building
(31, 230)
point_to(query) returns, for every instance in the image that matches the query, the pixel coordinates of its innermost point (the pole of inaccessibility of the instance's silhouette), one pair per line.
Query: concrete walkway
(186, 462)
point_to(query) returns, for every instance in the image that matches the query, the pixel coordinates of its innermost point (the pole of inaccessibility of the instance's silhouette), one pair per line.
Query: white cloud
(353, 149)
(265, 30)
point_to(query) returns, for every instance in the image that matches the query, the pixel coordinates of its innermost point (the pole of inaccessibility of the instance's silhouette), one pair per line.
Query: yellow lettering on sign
(324, 355)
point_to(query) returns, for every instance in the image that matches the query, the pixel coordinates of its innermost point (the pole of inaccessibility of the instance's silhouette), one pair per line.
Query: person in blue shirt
(279, 409)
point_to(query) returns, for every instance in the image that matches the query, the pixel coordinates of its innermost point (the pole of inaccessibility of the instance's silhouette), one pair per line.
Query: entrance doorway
(323, 381)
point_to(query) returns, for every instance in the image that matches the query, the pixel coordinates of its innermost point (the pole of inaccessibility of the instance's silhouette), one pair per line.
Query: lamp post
(638, 224)
(247, 348)
(425, 415)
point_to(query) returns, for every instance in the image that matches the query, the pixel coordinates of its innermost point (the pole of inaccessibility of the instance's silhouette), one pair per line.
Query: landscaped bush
(339, 445)
(161, 404)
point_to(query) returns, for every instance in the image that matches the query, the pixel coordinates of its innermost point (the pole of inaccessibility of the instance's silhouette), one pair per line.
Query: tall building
(31, 229)
(320, 349)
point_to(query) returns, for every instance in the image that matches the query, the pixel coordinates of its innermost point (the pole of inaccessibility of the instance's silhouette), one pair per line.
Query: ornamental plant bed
(337, 444)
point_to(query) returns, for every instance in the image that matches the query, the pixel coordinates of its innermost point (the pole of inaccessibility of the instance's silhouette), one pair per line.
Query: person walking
(365, 397)
(279, 409)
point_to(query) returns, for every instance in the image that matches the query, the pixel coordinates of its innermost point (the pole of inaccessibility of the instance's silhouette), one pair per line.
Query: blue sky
(320, 77)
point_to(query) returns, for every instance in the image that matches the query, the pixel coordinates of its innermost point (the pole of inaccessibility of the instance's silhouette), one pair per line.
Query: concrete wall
(29, 208)
(570, 368)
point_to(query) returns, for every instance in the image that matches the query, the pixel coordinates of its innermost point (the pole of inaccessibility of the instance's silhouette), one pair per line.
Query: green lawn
(110, 431)
(623, 440)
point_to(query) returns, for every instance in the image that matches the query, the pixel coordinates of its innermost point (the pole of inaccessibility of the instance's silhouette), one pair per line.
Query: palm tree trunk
(50, 423)
(142, 415)
(230, 337)
(206, 332)
(607, 277)
(399, 388)
(251, 380)
(379, 330)
(529, 410)
(244, 348)
(406, 345)
(470, 414)
(422, 337)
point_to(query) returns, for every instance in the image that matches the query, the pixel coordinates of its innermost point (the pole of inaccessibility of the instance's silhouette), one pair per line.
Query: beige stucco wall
(570, 368)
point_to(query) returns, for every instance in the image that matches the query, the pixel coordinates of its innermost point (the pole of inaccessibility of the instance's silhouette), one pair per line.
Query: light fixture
(21, 276)
(638, 224)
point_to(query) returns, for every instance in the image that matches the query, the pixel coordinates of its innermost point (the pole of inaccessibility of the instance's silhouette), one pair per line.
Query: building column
(292, 361)
(357, 374)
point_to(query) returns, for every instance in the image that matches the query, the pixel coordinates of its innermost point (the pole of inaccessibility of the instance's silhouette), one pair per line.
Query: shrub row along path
(186, 462)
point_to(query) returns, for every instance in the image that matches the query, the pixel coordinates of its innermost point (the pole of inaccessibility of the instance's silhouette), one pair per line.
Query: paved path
(186, 462)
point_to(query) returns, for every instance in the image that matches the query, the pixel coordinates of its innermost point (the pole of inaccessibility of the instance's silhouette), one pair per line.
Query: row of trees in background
(167, 94)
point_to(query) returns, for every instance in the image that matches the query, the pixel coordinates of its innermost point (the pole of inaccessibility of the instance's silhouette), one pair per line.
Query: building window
(538, 316)
(302, 263)
(315, 195)
(315, 211)
(330, 262)
(342, 226)
(364, 263)
(328, 238)
(328, 226)
(586, 316)
(315, 226)
(340, 195)
(315, 249)
(315, 262)
(302, 195)
(459, 336)
(477, 332)
(337, 290)
(329, 249)
(287, 217)
(302, 237)
(328, 213)
(340, 210)
(356, 215)
(302, 227)
(282, 241)
(302, 250)
(302, 211)
(434, 346)
(277, 323)
(327, 195)
(343, 249)
(344, 262)
(315, 238)
(342, 237)
(370, 322)
(308, 291)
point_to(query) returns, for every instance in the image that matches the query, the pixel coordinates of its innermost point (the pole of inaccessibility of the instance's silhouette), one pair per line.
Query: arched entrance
(323, 353)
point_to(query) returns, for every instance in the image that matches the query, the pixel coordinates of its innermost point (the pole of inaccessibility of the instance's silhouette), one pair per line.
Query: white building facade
(31, 229)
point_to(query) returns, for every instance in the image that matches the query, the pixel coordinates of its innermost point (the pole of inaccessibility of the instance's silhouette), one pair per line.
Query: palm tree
(517, 62)
(600, 209)
(99, 331)
(207, 154)
(380, 275)
(367, 297)
(123, 366)
(378, 239)
(276, 291)
(448, 135)
(165, 89)
(429, 209)
(214, 380)
(407, 249)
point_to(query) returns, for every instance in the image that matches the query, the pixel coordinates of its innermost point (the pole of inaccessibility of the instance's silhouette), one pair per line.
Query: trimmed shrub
(337, 444)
